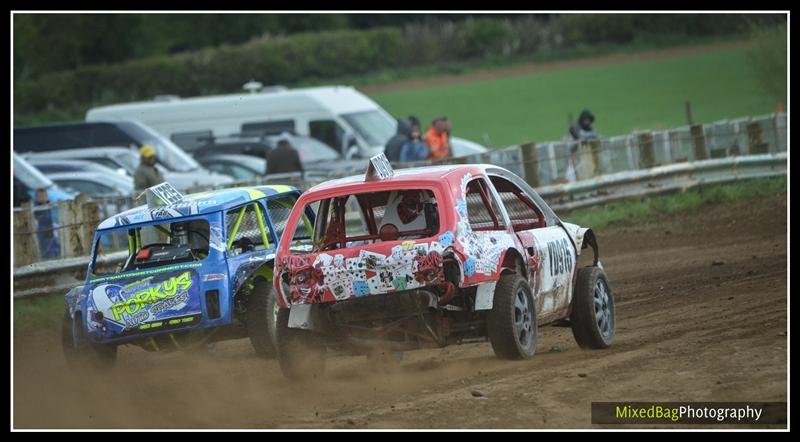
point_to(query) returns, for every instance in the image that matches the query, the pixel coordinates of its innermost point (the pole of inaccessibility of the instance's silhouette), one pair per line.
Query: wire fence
(66, 229)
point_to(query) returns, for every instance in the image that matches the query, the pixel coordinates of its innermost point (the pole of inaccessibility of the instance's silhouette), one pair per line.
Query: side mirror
(351, 152)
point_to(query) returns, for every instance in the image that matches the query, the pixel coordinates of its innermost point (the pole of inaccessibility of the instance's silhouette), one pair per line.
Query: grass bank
(633, 211)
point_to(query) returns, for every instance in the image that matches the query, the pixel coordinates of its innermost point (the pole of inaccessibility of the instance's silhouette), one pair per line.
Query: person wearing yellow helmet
(147, 175)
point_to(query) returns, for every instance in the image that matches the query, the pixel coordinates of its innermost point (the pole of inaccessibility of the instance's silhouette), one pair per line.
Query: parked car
(340, 116)
(186, 172)
(94, 183)
(461, 147)
(314, 155)
(120, 159)
(183, 273)
(27, 179)
(429, 257)
(57, 166)
(240, 167)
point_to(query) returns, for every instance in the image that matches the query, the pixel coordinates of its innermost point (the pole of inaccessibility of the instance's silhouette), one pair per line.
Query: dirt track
(688, 330)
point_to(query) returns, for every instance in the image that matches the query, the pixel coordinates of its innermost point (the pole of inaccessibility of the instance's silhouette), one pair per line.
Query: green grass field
(624, 97)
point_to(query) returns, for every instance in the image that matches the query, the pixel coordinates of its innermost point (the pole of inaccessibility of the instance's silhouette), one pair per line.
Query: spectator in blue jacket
(49, 246)
(414, 149)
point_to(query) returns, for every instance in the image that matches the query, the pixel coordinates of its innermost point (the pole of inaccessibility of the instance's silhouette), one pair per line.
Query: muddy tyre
(593, 316)
(301, 353)
(86, 357)
(260, 305)
(512, 323)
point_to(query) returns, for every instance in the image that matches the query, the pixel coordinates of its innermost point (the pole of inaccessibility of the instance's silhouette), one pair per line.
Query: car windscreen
(369, 218)
(169, 154)
(127, 160)
(312, 151)
(373, 126)
(70, 136)
(29, 175)
(247, 147)
(151, 246)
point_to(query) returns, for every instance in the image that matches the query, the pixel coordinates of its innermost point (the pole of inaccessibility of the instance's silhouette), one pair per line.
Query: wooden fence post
(699, 142)
(90, 218)
(71, 226)
(590, 162)
(755, 140)
(26, 249)
(647, 150)
(530, 163)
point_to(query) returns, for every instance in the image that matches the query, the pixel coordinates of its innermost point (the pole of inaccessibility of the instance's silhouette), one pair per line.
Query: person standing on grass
(438, 139)
(414, 149)
(147, 175)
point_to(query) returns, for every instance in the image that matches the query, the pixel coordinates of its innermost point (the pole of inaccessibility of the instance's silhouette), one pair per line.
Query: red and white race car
(429, 257)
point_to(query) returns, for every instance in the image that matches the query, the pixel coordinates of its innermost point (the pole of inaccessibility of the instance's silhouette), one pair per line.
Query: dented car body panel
(488, 222)
(147, 297)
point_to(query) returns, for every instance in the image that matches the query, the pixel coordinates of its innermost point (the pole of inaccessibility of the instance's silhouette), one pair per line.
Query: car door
(550, 254)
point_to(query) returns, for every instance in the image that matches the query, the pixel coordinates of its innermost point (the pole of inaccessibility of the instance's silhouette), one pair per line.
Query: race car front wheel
(593, 315)
(301, 353)
(512, 321)
(260, 305)
(88, 356)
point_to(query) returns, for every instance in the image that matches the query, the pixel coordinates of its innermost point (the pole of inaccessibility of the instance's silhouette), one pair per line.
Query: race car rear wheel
(593, 316)
(301, 353)
(85, 357)
(260, 305)
(512, 321)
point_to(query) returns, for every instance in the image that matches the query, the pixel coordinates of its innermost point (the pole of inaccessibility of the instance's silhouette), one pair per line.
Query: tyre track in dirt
(687, 330)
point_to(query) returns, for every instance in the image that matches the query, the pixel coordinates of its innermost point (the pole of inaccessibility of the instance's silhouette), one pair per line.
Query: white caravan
(339, 116)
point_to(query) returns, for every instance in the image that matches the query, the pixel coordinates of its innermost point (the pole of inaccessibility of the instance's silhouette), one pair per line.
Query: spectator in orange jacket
(438, 139)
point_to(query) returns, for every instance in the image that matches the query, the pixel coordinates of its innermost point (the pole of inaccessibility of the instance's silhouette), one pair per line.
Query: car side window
(522, 211)
(247, 230)
(87, 187)
(259, 128)
(326, 131)
(482, 210)
(191, 140)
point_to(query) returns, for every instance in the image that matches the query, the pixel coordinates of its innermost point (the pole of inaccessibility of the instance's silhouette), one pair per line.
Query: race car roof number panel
(379, 168)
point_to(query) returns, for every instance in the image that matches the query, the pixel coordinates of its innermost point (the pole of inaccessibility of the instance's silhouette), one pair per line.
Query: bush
(280, 60)
(768, 57)
(485, 37)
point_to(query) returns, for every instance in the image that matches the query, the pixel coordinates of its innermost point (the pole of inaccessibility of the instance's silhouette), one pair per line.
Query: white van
(339, 116)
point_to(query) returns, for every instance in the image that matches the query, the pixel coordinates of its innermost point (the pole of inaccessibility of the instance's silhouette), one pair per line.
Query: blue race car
(182, 272)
